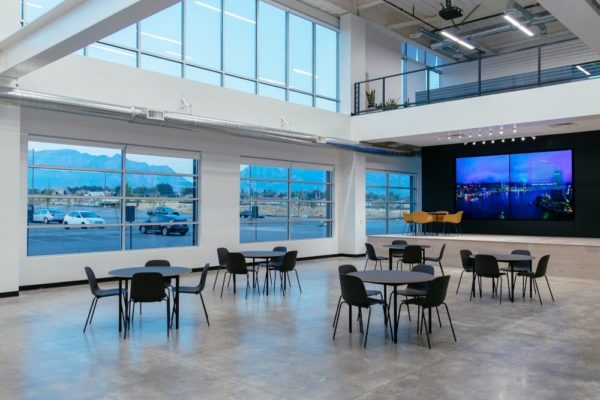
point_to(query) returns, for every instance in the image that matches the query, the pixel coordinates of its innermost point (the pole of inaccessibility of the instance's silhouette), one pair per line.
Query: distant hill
(55, 179)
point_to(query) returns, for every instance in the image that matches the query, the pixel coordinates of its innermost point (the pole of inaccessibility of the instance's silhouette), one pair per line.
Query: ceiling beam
(412, 22)
(369, 4)
(68, 27)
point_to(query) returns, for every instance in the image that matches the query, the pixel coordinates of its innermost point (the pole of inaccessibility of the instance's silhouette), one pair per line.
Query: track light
(474, 143)
(502, 140)
(493, 141)
(513, 139)
(523, 139)
(483, 142)
(533, 137)
(517, 24)
(457, 40)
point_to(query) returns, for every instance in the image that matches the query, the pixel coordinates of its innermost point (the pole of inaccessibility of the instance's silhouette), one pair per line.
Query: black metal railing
(533, 67)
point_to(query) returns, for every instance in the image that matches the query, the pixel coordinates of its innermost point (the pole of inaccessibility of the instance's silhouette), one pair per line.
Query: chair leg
(438, 314)
(88, 320)
(459, 280)
(450, 320)
(298, 279)
(547, 282)
(204, 307)
(441, 267)
(336, 311)
(538, 290)
(247, 284)
(500, 279)
(223, 285)
(367, 332)
(216, 277)
(366, 262)
(337, 318)
(426, 327)
(168, 316)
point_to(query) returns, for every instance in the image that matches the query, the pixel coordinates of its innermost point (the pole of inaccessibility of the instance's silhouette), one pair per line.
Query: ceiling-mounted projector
(450, 12)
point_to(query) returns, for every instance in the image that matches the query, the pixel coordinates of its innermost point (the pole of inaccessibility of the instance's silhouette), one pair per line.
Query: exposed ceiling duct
(183, 121)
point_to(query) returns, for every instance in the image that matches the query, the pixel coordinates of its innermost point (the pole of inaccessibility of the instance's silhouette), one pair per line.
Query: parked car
(47, 215)
(248, 214)
(163, 211)
(82, 218)
(165, 225)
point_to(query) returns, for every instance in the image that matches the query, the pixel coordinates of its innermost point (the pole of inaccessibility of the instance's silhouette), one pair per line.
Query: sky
(486, 169)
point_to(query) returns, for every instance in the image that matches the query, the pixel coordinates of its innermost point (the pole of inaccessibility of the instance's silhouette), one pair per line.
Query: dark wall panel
(438, 183)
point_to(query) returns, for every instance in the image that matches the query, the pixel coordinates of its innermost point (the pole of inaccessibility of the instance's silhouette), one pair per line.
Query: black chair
(345, 269)
(436, 296)
(160, 263)
(275, 261)
(196, 290)
(438, 259)
(98, 294)
(236, 265)
(519, 266)
(147, 287)
(540, 272)
(414, 289)
(354, 294)
(372, 256)
(284, 267)
(398, 253)
(412, 255)
(486, 266)
(468, 264)
(222, 255)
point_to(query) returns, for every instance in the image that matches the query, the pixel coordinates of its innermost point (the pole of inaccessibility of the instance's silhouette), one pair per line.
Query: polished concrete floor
(281, 348)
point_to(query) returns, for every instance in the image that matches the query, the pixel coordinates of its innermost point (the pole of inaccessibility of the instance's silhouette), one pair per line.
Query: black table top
(403, 246)
(262, 253)
(167, 272)
(507, 257)
(393, 277)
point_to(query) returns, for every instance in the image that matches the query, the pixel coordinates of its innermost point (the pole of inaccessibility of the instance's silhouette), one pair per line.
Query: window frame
(123, 199)
(289, 220)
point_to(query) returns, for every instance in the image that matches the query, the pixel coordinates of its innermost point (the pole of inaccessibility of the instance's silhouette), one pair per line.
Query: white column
(352, 58)
(352, 211)
(10, 16)
(11, 232)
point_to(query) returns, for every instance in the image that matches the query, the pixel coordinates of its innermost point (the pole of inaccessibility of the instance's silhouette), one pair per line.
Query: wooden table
(507, 258)
(262, 255)
(125, 274)
(393, 279)
(438, 216)
(400, 247)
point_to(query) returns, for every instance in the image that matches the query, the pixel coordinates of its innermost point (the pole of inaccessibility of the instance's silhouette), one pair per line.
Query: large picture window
(387, 195)
(285, 201)
(248, 45)
(88, 198)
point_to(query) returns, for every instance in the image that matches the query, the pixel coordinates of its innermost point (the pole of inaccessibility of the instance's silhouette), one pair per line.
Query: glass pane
(46, 210)
(311, 210)
(271, 91)
(67, 155)
(159, 65)
(375, 210)
(160, 234)
(328, 105)
(375, 178)
(271, 44)
(161, 33)
(264, 210)
(126, 37)
(310, 229)
(160, 164)
(300, 53)
(399, 195)
(326, 62)
(242, 85)
(306, 191)
(269, 172)
(203, 75)
(58, 182)
(398, 180)
(300, 98)
(395, 226)
(144, 185)
(269, 190)
(240, 37)
(263, 232)
(245, 171)
(35, 8)
(310, 175)
(143, 211)
(72, 240)
(376, 194)
(203, 33)
(395, 210)
(112, 54)
(376, 226)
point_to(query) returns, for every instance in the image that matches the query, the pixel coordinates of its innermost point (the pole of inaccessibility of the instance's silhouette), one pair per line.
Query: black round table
(263, 255)
(507, 258)
(124, 274)
(393, 248)
(394, 279)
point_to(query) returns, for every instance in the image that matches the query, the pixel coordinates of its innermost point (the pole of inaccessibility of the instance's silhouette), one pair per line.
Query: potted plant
(370, 98)
(391, 104)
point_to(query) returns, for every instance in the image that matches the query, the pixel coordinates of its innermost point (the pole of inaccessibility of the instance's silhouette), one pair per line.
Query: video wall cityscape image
(535, 186)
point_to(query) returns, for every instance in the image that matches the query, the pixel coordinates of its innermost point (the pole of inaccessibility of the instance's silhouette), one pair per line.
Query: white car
(47, 215)
(83, 218)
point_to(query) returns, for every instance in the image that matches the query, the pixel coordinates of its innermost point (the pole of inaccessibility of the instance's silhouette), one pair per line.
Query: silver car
(47, 215)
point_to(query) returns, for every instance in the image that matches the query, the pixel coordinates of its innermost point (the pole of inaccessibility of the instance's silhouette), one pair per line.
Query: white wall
(219, 216)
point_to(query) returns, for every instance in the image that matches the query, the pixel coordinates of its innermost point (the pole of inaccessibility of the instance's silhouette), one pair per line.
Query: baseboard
(84, 281)
(9, 294)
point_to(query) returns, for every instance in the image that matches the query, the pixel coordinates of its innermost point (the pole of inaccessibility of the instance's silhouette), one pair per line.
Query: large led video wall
(534, 186)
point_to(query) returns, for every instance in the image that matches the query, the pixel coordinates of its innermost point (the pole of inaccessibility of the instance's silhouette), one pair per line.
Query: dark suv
(163, 211)
(165, 225)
